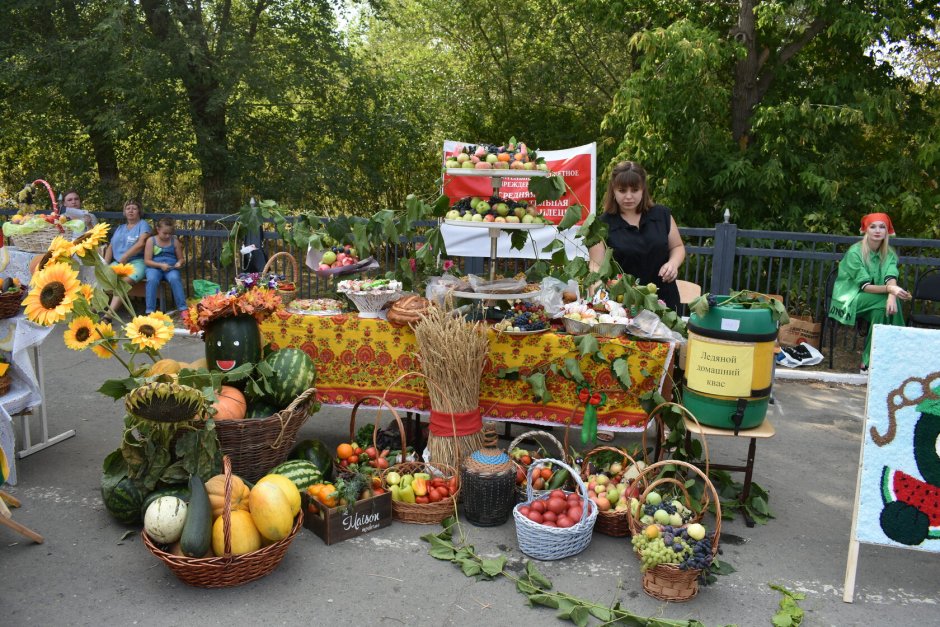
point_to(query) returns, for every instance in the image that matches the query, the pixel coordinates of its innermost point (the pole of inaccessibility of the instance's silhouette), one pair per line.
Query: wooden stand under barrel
(6, 517)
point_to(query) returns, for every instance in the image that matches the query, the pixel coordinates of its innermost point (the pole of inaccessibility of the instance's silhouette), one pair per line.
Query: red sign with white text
(576, 165)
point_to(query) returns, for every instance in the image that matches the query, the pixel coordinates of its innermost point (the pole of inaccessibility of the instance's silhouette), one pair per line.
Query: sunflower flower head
(60, 248)
(123, 270)
(53, 294)
(148, 332)
(90, 240)
(162, 317)
(105, 344)
(80, 334)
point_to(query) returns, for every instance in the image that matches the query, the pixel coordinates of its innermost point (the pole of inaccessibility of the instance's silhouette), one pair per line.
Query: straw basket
(612, 523)
(10, 303)
(543, 438)
(38, 241)
(258, 445)
(418, 513)
(226, 570)
(554, 543)
(286, 295)
(668, 582)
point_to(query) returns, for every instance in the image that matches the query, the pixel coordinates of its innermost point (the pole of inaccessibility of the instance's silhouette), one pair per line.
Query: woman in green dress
(866, 290)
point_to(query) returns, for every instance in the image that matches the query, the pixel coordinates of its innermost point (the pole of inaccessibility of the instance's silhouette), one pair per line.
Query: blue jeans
(154, 276)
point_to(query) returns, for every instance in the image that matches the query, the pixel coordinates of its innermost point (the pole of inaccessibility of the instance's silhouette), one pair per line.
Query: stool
(139, 290)
(762, 431)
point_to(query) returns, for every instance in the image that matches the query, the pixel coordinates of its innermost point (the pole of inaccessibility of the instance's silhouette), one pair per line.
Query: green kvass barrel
(729, 365)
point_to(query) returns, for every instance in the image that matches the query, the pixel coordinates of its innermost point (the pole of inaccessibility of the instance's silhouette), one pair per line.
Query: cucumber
(558, 479)
(197, 532)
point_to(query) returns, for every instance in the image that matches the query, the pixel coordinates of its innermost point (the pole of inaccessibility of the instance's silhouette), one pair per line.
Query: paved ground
(86, 573)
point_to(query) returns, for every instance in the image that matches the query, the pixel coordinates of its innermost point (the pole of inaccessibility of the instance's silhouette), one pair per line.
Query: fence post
(726, 236)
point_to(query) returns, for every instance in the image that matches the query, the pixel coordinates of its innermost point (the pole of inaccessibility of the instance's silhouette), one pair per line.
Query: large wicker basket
(10, 303)
(669, 582)
(554, 543)
(226, 570)
(611, 522)
(543, 438)
(258, 445)
(38, 241)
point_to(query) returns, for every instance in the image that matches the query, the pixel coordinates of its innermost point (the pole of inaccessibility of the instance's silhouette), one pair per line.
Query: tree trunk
(745, 93)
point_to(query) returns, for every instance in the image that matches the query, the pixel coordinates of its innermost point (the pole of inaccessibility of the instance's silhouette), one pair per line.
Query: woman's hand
(898, 292)
(891, 307)
(668, 272)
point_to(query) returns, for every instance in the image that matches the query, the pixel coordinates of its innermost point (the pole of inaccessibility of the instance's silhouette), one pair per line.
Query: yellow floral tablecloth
(358, 357)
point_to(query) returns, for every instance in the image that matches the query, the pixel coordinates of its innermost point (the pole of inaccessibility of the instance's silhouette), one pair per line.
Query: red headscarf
(877, 217)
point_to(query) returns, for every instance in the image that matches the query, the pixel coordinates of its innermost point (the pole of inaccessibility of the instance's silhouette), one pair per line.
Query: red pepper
(595, 398)
(584, 395)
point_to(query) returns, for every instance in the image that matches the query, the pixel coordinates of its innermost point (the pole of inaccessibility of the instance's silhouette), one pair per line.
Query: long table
(357, 357)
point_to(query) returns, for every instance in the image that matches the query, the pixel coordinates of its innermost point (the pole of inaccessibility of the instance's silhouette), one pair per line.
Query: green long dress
(849, 302)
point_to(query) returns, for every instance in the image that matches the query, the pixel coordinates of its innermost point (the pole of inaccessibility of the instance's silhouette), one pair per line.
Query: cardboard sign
(339, 523)
(719, 367)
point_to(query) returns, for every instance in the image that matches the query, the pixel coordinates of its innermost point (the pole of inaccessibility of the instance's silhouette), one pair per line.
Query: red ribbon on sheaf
(467, 423)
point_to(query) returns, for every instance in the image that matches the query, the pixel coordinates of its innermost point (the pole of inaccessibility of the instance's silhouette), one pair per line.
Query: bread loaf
(407, 309)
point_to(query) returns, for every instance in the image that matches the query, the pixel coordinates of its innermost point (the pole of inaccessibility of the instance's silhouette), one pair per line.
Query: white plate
(502, 226)
(537, 331)
(298, 312)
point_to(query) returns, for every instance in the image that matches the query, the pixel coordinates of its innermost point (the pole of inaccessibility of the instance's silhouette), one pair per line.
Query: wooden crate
(337, 524)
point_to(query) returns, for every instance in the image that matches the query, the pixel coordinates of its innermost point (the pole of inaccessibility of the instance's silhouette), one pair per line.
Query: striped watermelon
(123, 501)
(303, 473)
(294, 372)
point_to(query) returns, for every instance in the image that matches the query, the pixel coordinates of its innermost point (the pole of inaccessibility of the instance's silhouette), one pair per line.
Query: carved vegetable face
(231, 342)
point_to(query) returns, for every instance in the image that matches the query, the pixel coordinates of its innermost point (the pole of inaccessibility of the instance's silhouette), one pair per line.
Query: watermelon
(317, 452)
(302, 472)
(900, 486)
(294, 372)
(262, 409)
(123, 501)
(232, 341)
(180, 491)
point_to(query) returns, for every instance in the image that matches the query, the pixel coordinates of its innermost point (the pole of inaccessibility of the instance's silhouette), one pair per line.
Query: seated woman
(866, 290)
(127, 247)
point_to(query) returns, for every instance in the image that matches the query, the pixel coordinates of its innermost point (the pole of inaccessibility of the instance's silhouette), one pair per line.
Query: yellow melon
(244, 535)
(165, 366)
(270, 511)
(288, 488)
(199, 363)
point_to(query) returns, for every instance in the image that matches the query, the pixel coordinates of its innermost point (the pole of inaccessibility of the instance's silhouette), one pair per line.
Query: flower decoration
(123, 270)
(105, 344)
(255, 301)
(148, 332)
(60, 248)
(54, 291)
(90, 240)
(80, 334)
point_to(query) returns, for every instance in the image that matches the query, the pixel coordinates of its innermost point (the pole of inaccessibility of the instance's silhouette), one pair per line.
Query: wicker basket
(5, 382)
(554, 543)
(10, 303)
(542, 437)
(258, 445)
(668, 582)
(38, 241)
(612, 523)
(488, 480)
(286, 295)
(381, 404)
(227, 570)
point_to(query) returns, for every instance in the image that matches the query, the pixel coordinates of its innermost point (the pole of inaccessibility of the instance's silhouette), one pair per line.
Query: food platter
(496, 295)
(315, 307)
(497, 173)
(503, 226)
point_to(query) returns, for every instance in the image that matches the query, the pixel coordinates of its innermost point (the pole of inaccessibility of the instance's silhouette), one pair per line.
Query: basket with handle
(543, 438)
(286, 295)
(258, 445)
(671, 582)
(38, 241)
(553, 543)
(430, 513)
(10, 302)
(226, 570)
(6, 381)
(614, 522)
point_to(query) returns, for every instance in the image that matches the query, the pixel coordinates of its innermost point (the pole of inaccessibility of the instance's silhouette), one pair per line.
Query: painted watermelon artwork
(899, 487)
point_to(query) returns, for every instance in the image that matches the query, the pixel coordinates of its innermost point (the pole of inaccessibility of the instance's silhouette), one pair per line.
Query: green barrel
(730, 365)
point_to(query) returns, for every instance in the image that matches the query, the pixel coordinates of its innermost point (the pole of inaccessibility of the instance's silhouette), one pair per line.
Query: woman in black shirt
(643, 236)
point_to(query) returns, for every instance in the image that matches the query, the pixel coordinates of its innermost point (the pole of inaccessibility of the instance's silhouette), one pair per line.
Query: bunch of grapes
(671, 546)
(701, 554)
(463, 205)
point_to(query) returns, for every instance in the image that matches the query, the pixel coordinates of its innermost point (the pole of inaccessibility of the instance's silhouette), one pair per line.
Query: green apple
(654, 498)
(483, 207)
(452, 163)
(453, 214)
(463, 157)
(613, 495)
(542, 167)
(675, 520)
(328, 257)
(468, 217)
(512, 220)
(661, 516)
(477, 218)
(528, 165)
(527, 219)
(491, 158)
(651, 288)
(501, 208)
(519, 212)
(467, 165)
(393, 478)
(696, 531)
(500, 219)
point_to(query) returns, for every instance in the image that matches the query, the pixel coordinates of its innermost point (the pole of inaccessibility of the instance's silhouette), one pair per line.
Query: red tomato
(423, 500)
(525, 460)
(537, 506)
(535, 517)
(378, 491)
(352, 459)
(574, 513)
(437, 482)
(520, 476)
(556, 494)
(564, 522)
(549, 516)
(433, 496)
(557, 505)
(444, 492)
(546, 473)
(372, 453)
(452, 485)
(524, 510)
(381, 463)
(573, 499)
(538, 484)
(549, 524)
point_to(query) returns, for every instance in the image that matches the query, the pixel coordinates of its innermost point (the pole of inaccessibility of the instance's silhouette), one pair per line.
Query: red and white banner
(577, 165)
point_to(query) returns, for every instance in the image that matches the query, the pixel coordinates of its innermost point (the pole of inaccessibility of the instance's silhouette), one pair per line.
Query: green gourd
(197, 532)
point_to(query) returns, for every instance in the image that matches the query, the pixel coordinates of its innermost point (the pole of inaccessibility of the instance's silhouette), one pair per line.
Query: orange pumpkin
(215, 488)
(230, 404)
(36, 263)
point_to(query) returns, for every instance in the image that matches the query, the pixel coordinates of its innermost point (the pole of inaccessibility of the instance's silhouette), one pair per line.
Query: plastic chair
(927, 291)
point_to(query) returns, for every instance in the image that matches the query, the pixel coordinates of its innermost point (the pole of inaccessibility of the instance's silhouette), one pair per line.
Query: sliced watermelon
(899, 486)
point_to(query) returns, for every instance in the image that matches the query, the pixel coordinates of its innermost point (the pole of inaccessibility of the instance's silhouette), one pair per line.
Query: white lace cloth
(15, 263)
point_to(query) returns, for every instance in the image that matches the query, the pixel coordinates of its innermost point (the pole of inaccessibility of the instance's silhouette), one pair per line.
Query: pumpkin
(270, 511)
(244, 535)
(232, 341)
(287, 487)
(38, 262)
(230, 404)
(165, 366)
(199, 363)
(216, 489)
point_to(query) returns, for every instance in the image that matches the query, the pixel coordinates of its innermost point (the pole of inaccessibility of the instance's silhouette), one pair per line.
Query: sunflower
(88, 292)
(103, 331)
(80, 334)
(162, 317)
(60, 248)
(148, 332)
(123, 270)
(90, 240)
(55, 289)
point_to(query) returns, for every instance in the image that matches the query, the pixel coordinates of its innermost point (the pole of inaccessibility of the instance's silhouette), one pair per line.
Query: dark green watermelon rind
(889, 495)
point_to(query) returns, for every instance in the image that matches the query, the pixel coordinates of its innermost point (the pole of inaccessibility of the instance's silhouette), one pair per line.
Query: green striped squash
(301, 472)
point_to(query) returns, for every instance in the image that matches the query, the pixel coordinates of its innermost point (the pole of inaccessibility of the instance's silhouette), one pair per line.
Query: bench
(164, 295)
